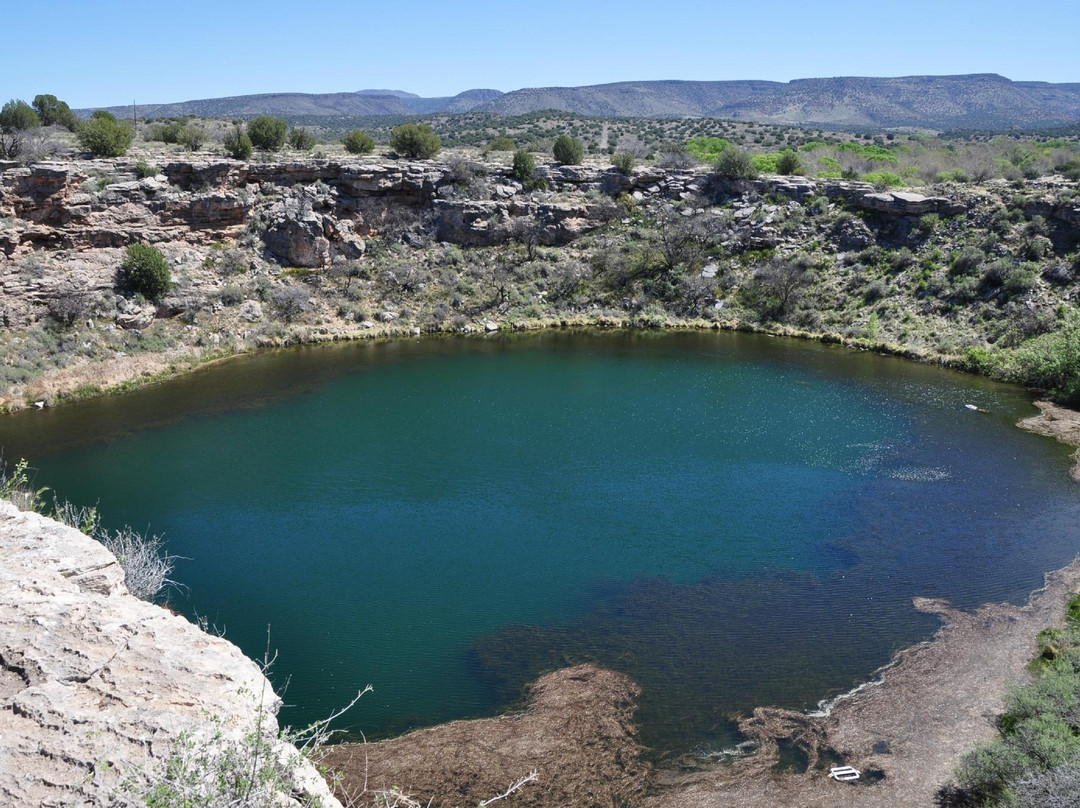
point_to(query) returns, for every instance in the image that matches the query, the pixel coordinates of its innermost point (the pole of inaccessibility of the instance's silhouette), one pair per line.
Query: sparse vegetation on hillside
(971, 288)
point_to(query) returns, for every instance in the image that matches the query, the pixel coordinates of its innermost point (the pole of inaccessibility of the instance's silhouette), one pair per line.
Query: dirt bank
(1057, 422)
(911, 725)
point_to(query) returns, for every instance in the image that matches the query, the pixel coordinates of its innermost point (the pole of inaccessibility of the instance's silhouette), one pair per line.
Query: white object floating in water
(972, 407)
(843, 773)
(39, 404)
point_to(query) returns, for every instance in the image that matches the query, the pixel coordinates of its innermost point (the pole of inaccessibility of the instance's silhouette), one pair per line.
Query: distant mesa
(976, 101)
(394, 93)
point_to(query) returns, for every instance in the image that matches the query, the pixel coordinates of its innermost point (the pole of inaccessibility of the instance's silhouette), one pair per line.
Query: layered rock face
(309, 213)
(96, 686)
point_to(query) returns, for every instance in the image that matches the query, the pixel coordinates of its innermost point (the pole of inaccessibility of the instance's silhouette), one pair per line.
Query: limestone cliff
(96, 685)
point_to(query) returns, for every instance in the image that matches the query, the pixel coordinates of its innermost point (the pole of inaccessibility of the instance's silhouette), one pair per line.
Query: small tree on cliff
(734, 164)
(268, 133)
(52, 110)
(144, 272)
(567, 150)
(415, 140)
(524, 165)
(237, 144)
(359, 142)
(18, 115)
(104, 136)
(789, 162)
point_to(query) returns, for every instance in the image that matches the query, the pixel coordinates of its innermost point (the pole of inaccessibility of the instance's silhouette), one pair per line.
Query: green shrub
(1035, 760)
(231, 295)
(524, 165)
(415, 140)
(870, 152)
(1012, 278)
(883, 179)
(237, 144)
(501, 144)
(17, 115)
(104, 136)
(789, 162)
(1050, 361)
(52, 111)
(165, 132)
(267, 133)
(766, 163)
(359, 142)
(928, 223)
(966, 261)
(191, 137)
(708, 149)
(953, 175)
(144, 272)
(568, 151)
(624, 162)
(143, 170)
(301, 139)
(735, 164)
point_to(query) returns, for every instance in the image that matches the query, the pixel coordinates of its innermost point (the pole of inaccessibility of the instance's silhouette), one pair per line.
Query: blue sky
(104, 52)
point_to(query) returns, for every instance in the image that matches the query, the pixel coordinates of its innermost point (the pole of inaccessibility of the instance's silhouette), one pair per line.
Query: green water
(733, 520)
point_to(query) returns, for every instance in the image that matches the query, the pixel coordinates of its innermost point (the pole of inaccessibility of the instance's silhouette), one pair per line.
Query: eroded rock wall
(312, 212)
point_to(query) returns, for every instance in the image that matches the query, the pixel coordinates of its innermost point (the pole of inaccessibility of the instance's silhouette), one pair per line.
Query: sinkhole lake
(732, 520)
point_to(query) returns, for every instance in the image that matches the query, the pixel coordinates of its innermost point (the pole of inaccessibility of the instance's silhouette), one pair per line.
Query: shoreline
(905, 728)
(124, 374)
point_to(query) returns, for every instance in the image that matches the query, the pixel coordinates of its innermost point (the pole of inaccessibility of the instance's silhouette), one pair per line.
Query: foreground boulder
(98, 687)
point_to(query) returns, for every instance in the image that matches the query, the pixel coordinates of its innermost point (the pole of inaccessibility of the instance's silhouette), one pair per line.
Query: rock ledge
(96, 685)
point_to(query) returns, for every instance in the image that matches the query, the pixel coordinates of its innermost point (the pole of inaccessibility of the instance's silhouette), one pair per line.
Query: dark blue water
(731, 519)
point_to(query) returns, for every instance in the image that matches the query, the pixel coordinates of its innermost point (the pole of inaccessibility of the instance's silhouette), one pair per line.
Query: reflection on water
(732, 520)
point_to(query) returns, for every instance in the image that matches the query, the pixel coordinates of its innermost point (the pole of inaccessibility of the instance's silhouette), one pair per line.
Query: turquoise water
(733, 520)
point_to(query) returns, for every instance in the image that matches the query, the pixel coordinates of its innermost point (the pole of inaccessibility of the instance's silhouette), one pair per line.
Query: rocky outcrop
(299, 236)
(902, 203)
(313, 211)
(96, 686)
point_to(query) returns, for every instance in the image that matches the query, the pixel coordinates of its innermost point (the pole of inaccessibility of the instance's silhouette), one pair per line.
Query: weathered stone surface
(95, 685)
(852, 234)
(1068, 213)
(902, 203)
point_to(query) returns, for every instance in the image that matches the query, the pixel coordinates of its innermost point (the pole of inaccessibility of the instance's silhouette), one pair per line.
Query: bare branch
(515, 787)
